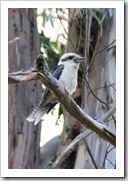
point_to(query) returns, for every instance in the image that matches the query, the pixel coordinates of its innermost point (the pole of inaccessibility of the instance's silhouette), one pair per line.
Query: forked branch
(42, 74)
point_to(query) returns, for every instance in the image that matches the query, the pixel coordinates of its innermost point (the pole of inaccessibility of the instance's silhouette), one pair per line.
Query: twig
(90, 154)
(99, 99)
(109, 113)
(95, 95)
(105, 47)
(102, 87)
(65, 30)
(106, 153)
(96, 52)
(111, 163)
(98, 68)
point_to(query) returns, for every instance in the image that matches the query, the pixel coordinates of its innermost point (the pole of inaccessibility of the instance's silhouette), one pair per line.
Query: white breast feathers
(69, 77)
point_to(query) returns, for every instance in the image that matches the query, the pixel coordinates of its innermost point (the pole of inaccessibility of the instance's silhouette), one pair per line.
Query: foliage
(50, 49)
(53, 49)
(107, 12)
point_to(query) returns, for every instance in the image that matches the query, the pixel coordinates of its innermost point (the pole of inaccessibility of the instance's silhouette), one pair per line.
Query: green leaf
(110, 11)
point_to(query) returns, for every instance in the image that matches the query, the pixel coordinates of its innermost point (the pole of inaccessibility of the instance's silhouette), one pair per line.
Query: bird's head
(71, 58)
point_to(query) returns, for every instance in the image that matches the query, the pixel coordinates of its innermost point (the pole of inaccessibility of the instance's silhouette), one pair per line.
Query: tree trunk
(24, 137)
(86, 37)
(76, 44)
(102, 80)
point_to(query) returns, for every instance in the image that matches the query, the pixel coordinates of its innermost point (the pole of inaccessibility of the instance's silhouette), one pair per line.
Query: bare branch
(66, 152)
(109, 113)
(95, 94)
(103, 87)
(107, 46)
(96, 52)
(22, 77)
(90, 154)
(65, 30)
(68, 102)
(105, 156)
(81, 136)
(98, 98)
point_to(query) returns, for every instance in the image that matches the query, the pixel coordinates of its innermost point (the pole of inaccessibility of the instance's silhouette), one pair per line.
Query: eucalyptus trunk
(23, 137)
(101, 90)
(96, 89)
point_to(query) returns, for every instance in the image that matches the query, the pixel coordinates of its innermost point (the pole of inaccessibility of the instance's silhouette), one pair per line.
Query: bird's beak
(79, 59)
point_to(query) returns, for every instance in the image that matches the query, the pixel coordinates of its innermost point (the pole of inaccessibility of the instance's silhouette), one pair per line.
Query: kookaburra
(66, 73)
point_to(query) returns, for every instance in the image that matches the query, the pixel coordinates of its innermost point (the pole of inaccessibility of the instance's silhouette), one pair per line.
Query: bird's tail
(37, 114)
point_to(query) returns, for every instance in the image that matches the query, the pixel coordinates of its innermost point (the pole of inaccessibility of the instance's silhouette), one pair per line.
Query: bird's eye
(71, 57)
(67, 58)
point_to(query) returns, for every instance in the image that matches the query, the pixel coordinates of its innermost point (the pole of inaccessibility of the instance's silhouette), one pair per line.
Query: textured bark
(76, 43)
(23, 137)
(100, 76)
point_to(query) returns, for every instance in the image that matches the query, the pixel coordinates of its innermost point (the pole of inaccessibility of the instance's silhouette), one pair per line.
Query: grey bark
(102, 81)
(23, 137)
(48, 152)
(76, 42)
(101, 78)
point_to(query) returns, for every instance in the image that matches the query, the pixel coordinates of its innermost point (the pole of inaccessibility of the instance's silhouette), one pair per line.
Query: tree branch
(66, 152)
(22, 76)
(91, 155)
(98, 98)
(81, 136)
(63, 97)
(108, 114)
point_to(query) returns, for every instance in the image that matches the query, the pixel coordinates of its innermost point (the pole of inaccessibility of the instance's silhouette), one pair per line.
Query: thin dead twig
(96, 52)
(90, 154)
